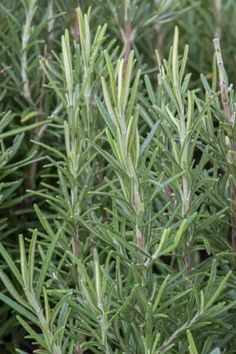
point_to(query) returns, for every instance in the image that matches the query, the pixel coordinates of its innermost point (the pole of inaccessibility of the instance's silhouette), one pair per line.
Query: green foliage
(118, 226)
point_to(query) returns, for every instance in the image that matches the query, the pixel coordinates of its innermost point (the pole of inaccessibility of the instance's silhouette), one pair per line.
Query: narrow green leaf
(18, 308)
(9, 261)
(23, 262)
(24, 129)
(11, 289)
(46, 262)
(192, 346)
(216, 293)
(31, 265)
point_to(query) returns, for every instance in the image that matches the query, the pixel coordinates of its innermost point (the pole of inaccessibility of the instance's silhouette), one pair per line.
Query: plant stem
(29, 12)
(232, 147)
(51, 21)
(38, 133)
(223, 87)
(159, 39)
(127, 34)
(74, 27)
(139, 236)
(174, 335)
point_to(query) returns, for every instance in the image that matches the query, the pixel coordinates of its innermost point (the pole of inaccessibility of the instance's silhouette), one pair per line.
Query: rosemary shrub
(118, 182)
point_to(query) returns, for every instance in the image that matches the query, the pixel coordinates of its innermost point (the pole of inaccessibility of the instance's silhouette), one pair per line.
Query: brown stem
(38, 133)
(75, 247)
(159, 39)
(140, 242)
(34, 165)
(74, 27)
(79, 349)
(5, 69)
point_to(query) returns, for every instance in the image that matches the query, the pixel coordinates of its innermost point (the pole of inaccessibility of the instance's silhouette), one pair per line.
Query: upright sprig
(180, 114)
(228, 104)
(121, 116)
(78, 96)
(30, 299)
(79, 81)
(30, 9)
(181, 118)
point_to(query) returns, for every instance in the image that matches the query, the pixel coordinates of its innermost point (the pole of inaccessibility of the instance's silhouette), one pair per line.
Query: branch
(74, 27)
(230, 119)
(30, 11)
(223, 87)
(128, 34)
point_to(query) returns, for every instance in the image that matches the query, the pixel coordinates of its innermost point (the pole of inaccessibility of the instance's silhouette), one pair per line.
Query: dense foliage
(118, 180)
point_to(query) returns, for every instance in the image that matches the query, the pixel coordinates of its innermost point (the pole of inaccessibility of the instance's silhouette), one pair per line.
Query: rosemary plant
(117, 179)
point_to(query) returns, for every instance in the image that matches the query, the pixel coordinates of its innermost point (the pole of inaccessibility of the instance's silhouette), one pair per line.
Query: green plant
(127, 213)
